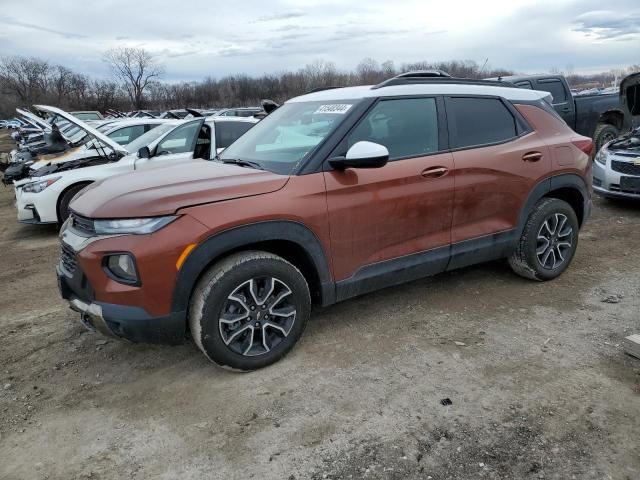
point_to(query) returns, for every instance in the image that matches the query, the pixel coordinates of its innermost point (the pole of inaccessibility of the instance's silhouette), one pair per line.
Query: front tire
(249, 310)
(548, 242)
(65, 200)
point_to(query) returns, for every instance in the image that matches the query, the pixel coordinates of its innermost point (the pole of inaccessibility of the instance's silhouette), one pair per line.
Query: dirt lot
(540, 388)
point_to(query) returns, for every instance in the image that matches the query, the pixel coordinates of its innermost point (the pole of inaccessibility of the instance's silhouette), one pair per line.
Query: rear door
(380, 217)
(498, 160)
(562, 99)
(227, 132)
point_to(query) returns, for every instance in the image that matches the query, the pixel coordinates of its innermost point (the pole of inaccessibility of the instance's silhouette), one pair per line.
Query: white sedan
(45, 198)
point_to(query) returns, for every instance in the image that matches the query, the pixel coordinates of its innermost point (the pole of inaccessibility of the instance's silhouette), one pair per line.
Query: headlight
(601, 157)
(37, 187)
(122, 267)
(136, 226)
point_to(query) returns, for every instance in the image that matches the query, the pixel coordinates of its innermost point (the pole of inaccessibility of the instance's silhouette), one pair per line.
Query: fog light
(122, 267)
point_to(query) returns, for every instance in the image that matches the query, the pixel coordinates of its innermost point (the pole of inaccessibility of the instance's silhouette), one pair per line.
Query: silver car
(616, 169)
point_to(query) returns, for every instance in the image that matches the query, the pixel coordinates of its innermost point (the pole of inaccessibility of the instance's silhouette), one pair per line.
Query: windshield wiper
(243, 163)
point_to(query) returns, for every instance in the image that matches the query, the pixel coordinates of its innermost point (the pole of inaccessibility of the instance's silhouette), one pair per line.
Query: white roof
(353, 93)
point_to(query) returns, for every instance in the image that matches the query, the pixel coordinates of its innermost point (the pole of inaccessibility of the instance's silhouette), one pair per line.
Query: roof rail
(320, 89)
(435, 76)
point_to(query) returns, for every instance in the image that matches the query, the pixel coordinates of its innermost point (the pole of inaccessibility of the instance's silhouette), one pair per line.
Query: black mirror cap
(269, 105)
(341, 163)
(144, 152)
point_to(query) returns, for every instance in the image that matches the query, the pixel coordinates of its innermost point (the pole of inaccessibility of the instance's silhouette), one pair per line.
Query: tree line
(136, 83)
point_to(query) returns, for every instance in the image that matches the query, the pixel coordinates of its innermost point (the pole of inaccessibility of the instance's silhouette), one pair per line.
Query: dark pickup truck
(600, 117)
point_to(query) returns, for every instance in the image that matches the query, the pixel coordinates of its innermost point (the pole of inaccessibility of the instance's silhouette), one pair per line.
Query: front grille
(83, 224)
(628, 168)
(68, 259)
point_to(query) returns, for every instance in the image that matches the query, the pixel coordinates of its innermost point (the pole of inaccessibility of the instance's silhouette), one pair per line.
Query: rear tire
(65, 200)
(548, 241)
(249, 310)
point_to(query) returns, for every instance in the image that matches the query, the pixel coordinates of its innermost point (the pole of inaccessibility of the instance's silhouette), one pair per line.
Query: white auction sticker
(339, 108)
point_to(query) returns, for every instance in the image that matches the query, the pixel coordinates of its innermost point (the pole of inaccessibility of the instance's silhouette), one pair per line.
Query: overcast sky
(199, 38)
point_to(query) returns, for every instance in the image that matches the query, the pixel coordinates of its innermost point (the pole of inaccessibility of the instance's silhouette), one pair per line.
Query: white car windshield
(289, 135)
(149, 137)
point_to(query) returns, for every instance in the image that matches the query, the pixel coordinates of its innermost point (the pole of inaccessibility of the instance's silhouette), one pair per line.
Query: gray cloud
(280, 16)
(31, 26)
(607, 24)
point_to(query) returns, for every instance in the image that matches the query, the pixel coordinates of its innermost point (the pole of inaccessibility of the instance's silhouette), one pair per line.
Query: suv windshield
(288, 135)
(147, 138)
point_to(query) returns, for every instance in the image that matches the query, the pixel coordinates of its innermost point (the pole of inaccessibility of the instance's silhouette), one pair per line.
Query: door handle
(434, 172)
(532, 156)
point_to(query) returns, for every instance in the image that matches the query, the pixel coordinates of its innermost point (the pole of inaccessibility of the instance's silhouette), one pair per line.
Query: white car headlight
(136, 226)
(37, 187)
(601, 157)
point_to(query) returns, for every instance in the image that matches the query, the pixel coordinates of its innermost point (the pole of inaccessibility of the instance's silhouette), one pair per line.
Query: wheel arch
(290, 240)
(84, 183)
(568, 187)
(612, 117)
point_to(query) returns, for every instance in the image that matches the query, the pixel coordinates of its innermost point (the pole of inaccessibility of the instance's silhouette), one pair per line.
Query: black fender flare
(547, 186)
(219, 244)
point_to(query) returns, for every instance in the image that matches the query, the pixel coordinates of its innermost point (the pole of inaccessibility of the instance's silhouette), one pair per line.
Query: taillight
(585, 144)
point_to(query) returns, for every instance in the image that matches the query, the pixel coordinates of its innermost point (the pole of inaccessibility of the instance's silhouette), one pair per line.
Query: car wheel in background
(548, 241)
(603, 134)
(65, 200)
(249, 310)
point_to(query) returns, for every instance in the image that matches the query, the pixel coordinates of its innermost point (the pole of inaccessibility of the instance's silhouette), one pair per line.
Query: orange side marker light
(185, 253)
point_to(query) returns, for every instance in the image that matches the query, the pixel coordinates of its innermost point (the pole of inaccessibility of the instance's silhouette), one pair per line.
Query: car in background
(44, 197)
(333, 195)
(599, 116)
(13, 124)
(616, 169)
(88, 115)
(238, 112)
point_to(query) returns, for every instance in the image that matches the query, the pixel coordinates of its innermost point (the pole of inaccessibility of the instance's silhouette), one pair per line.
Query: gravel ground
(469, 375)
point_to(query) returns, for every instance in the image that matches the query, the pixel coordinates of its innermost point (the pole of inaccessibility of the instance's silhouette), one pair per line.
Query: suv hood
(163, 191)
(37, 121)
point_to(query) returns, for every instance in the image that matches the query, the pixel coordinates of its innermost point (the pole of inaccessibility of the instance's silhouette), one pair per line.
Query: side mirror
(144, 152)
(362, 155)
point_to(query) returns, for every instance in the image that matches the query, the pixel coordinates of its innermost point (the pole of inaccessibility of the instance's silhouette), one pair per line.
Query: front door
(176, 146)
(392, 224)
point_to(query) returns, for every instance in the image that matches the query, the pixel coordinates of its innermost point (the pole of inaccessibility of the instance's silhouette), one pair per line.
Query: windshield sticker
(338, 108)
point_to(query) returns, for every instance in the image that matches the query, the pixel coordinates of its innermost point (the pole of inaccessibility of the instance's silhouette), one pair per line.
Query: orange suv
(335, 194)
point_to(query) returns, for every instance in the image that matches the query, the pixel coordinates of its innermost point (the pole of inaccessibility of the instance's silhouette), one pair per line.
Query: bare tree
(26, 78)
(135, 68)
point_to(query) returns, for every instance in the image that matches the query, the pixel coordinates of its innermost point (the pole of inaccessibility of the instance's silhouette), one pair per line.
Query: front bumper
(35, 208)
(606, 181)
(119, 321)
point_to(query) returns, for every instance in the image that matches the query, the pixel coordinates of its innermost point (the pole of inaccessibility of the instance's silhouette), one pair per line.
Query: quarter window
(407, 127)
(479, 121)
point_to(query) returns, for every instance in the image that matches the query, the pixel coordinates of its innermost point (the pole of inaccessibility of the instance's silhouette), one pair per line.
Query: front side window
(479, 121)
(181, 140)
(407, 127)
(555, 88)
(290, 134)
(149, 137)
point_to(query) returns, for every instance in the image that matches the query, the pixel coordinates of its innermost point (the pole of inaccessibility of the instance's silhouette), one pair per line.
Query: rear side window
(524, 84)
(479, 121)
(407, 127)
(555, 88)
(126, 135)
(229, 132)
